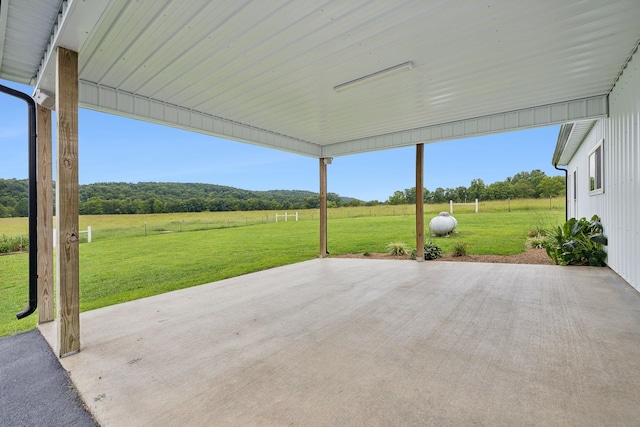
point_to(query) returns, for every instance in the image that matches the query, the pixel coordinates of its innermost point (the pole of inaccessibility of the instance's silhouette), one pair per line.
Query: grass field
(121, 265)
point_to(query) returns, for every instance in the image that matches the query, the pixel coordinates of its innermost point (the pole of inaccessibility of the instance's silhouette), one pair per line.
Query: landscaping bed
(530, 256)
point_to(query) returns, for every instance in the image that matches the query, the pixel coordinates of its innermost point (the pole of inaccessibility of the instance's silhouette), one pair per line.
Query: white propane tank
(443, 224)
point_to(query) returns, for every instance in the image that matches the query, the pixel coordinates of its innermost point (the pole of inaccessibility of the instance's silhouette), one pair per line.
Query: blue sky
(113, 148)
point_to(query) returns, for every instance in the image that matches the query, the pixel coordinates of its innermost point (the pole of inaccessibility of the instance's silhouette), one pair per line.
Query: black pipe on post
(33, 202)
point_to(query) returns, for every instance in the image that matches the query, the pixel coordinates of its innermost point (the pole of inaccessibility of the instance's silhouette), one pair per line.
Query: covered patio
(369, 342)
(332, 341)
(320, 80)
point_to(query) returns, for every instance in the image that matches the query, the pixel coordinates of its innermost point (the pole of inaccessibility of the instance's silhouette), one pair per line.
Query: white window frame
(596, 168)
(574, 193)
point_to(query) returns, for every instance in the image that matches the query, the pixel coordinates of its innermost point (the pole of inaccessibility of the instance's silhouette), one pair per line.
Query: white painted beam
(545, 115)
(110, 100)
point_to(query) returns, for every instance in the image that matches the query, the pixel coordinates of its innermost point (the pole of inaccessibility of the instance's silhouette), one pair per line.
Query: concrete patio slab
(370, 342)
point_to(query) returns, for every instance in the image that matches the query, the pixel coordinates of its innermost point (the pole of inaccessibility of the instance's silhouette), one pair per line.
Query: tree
(21, 208)
(335, 199)
(156, 206)
(527, 180)
(410, 195)
(476, 189)
(5, 212)
(438, 196)
(551, 186)
(398, 198)
(312, 202)
(459, 194)
(524, 190)
(93, 206)
(500, 190)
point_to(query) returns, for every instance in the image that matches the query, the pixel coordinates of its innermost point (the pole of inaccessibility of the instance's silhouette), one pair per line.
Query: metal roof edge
(570, 138)
(563, 138)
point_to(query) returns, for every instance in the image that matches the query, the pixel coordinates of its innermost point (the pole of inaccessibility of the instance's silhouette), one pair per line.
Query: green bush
(13, 244)
(578, 242)
(460, 249)
(398, 248)
(431, 252)
(536, 242)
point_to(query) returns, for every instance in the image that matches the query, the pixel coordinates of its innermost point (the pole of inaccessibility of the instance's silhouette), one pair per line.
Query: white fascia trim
(76, 20)
(113, 101)
(545, 115)
(4, 12)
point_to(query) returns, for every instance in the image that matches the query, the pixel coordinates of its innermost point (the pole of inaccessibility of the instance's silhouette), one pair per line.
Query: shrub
(431, 251)
(398, 248)
(536, 242)
(460, 248)
(578, 242)
(13, 244)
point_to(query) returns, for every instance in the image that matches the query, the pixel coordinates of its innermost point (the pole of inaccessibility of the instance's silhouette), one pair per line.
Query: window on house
(595, 169)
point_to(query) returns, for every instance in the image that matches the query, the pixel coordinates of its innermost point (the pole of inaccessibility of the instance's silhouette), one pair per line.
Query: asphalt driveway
(35, 390)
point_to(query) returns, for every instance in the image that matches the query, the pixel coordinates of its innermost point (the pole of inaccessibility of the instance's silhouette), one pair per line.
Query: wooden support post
(45, 217)
(323, 206)
(67, 254)
(420, 202)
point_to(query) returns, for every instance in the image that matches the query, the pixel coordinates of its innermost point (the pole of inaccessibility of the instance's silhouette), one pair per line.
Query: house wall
(619, 204)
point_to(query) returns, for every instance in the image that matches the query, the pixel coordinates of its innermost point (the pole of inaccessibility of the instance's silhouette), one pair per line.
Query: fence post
(88, 234)
(286, 217)
(296, 216)
(451, 207)
(476, 205)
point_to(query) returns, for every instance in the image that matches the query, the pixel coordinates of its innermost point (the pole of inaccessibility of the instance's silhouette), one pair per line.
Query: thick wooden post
(67, 254)
(45, 217)
(420, 202)
(323, 206)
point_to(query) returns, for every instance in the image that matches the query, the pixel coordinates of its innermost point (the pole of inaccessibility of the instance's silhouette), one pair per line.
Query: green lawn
(116, 268)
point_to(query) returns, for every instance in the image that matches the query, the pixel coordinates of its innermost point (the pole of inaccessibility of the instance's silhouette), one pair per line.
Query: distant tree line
(13, 197)
(164, 197)
(523, 185)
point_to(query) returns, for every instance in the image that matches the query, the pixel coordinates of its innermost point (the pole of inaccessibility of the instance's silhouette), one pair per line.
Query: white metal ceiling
(264, 71)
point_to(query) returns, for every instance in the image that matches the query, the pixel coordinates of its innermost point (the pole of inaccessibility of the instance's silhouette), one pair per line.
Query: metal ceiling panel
(25, 28)
(269, 68)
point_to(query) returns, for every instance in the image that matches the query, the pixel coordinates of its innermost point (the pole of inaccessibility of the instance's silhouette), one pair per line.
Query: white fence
(286, 216)
(55, 235)
(461, 204)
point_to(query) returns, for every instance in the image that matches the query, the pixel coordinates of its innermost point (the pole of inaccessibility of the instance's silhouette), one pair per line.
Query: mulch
(530, 256)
